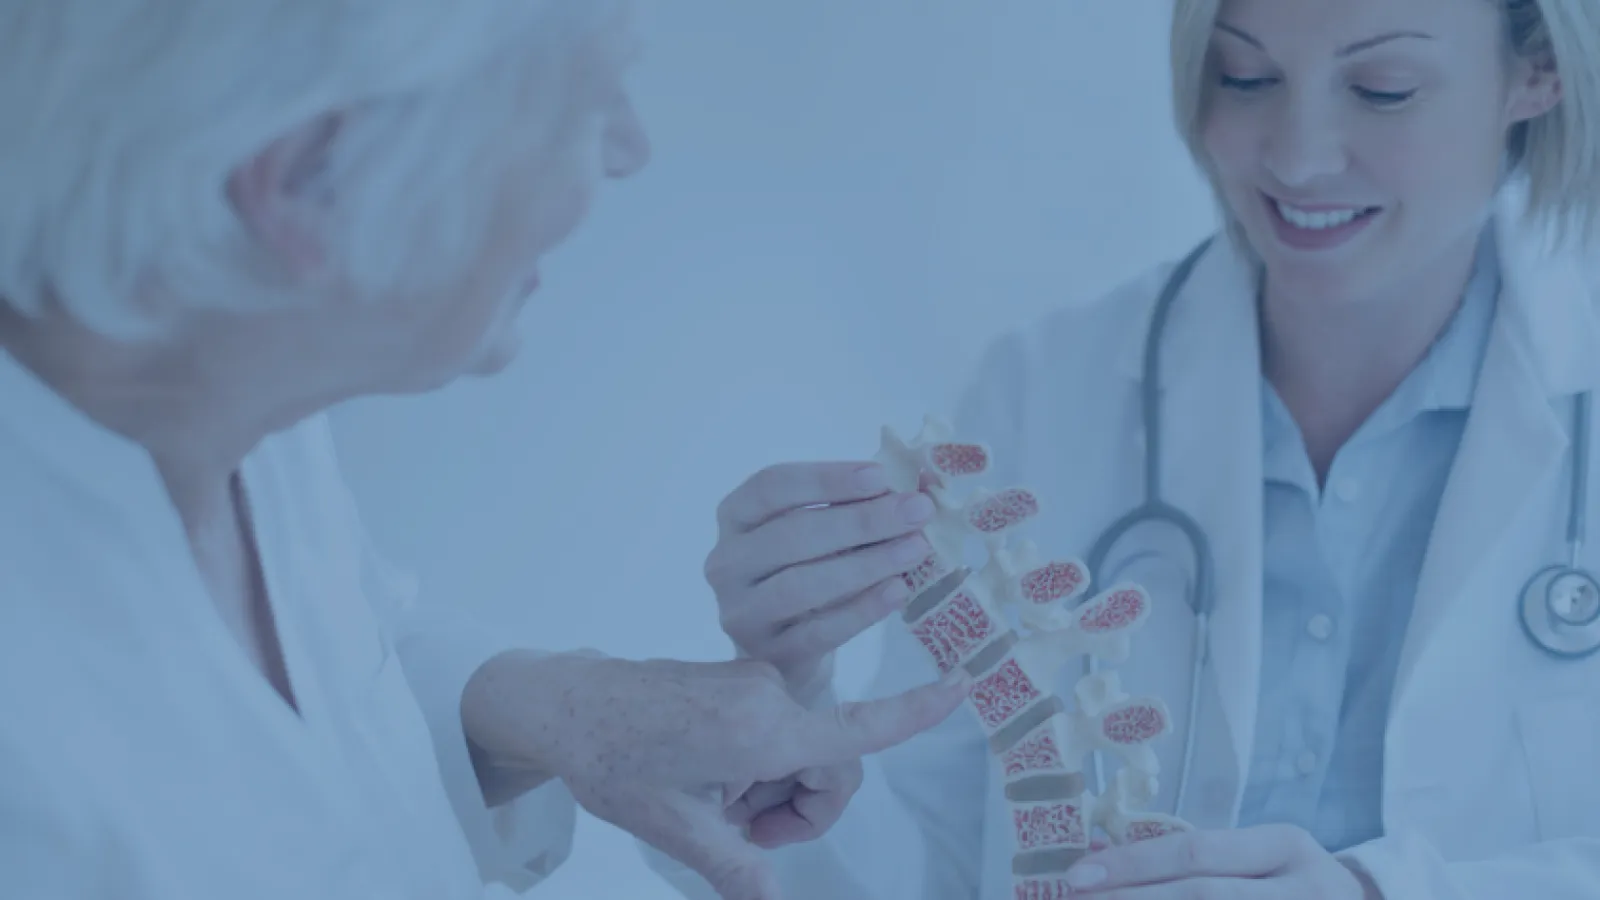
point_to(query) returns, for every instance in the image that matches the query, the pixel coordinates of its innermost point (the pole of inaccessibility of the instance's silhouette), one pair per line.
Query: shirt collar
(1445, 380)
(56, 442)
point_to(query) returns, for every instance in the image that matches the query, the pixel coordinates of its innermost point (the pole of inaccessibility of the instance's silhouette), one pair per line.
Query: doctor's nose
(1301, 145)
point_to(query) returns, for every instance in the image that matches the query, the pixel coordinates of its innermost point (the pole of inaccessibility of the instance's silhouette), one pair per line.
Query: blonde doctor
(1367, 403)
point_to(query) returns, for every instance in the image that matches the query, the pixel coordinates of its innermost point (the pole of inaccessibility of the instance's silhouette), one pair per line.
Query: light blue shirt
(1341, 572)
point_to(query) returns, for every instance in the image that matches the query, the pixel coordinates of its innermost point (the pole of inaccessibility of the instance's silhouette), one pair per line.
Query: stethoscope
(1559, 607)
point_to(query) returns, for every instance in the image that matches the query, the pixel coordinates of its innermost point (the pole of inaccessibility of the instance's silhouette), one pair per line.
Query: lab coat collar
(1549, 293)
(1549, 297)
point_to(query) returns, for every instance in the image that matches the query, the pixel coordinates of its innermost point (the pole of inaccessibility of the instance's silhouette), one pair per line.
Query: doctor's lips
(1317, 226)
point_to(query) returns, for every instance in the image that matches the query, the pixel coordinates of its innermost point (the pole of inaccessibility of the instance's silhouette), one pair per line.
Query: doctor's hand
(1267, 862)
(679, 753)
(809, 556)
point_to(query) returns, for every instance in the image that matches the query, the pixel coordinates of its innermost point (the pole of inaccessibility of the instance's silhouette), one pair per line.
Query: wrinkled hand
(797, 809)
(653, 747)
(1268, 862)
(809, 556)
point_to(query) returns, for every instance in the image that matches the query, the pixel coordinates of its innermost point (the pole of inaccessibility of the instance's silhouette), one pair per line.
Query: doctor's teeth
(1317, 221)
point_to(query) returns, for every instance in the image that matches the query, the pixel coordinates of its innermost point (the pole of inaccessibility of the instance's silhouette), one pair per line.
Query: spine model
(1041, 742)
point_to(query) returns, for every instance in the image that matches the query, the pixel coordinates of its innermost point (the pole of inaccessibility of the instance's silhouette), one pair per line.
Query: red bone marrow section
(1038, 752)
(925, 574)
(958, 460)
(1051, 582)
(1135, 723)
(1001, 695)
(1145, 829)
(1114, 611)
(956, 630)
(1043, 889)
(1054, 825)
(1004, 510)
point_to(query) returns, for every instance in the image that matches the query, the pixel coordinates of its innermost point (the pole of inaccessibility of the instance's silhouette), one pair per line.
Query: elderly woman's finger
(760, 798)
(691, 831)
(849, 731)
(778, 489)
(817, 799)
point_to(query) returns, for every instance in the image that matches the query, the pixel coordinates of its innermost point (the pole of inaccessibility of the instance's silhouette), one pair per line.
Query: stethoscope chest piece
(1561, 611)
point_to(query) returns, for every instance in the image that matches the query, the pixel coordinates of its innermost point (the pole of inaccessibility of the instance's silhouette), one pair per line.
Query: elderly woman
(1374, 386)
(217, 220)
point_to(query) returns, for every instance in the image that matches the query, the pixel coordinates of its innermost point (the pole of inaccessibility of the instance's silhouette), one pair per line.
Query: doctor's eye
(1245, 85)
(1384, 99)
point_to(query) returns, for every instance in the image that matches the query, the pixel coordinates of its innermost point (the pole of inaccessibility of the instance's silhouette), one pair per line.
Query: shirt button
(1348, 490)
(1306, 763)
(1320, 627)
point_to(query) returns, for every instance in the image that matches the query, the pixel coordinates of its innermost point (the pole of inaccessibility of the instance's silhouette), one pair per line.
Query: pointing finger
(847, 732)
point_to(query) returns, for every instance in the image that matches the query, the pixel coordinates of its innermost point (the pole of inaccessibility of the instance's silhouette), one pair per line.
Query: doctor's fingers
(1208, 889)
(800, 593)
(815, 535)
(778, 489)
(1233, 853)
(812, 637)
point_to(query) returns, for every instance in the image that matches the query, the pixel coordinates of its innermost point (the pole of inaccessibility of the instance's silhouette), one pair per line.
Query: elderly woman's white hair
(121, 121)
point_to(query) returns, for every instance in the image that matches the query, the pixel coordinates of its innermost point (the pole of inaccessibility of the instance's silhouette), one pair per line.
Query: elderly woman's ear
(283, 197)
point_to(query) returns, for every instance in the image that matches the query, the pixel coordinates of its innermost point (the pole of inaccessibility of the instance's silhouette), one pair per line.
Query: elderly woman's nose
(626, 146)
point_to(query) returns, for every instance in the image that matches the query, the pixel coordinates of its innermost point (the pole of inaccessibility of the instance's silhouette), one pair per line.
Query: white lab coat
(143, 758)
(1492, 773)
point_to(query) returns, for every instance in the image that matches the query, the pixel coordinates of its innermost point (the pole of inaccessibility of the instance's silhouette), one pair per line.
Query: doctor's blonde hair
(123, 120)
(1558, 153)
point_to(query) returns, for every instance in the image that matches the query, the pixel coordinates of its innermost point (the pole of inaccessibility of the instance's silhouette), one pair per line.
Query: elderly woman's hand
(809, 556)
(667, 750)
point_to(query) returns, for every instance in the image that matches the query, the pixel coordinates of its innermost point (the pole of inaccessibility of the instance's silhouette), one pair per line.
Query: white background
(847, 200)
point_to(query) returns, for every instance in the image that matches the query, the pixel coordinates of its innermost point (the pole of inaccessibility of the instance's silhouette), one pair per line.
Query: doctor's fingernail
(871, 479)
(1087, 875)
(916, 509)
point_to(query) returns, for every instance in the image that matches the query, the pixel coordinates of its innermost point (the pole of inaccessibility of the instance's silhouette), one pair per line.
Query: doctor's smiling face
(1360, 143)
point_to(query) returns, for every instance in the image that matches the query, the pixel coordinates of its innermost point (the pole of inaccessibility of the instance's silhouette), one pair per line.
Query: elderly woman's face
(423, 339)
(476, 332)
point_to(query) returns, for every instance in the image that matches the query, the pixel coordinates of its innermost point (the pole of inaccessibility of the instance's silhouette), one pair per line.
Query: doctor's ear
(1535, 89)
(282, 196)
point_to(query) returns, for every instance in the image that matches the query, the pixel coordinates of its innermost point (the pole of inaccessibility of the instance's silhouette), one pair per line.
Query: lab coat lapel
(1541, 351)
(1211, 467)
(1513, 442)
